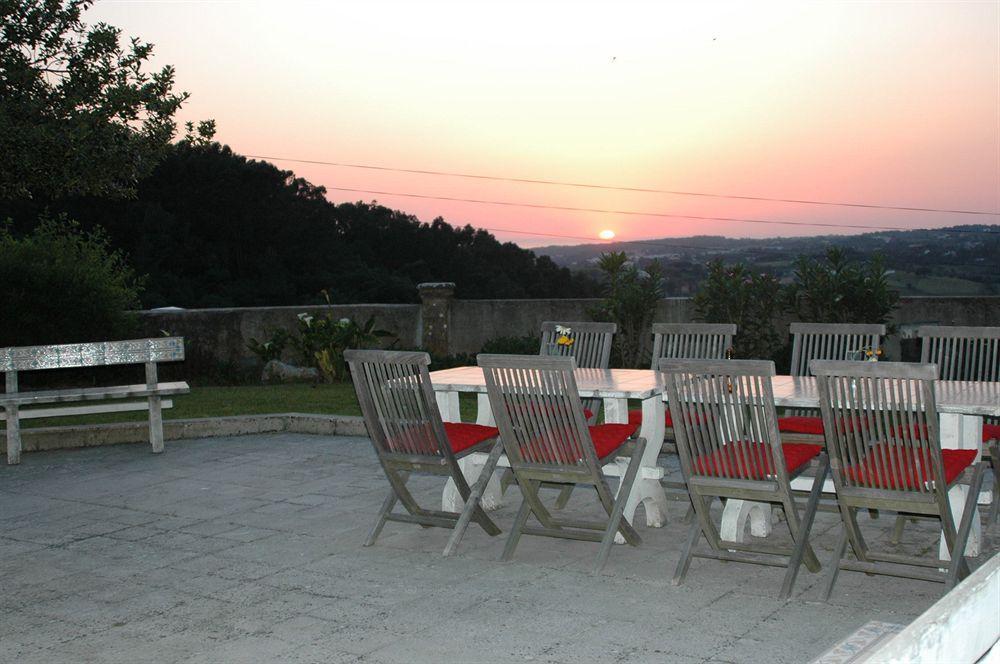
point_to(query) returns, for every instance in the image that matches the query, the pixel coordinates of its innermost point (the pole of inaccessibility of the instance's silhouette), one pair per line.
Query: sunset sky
(891, 103)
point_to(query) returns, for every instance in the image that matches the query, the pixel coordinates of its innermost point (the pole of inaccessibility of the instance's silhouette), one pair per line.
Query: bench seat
(94, 393)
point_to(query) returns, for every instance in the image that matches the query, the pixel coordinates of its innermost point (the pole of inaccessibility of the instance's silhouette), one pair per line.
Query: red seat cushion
(635, 417)
(752, 460)
(609, 437)
(876, 471)
(587, 414)
(991, 432)
(462, 436)
(801, 424)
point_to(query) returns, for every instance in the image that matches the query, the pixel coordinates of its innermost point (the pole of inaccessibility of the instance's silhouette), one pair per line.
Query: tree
(78, 113)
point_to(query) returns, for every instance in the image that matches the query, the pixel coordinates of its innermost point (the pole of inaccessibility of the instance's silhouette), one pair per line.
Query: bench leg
(155, 425)
(13, 436)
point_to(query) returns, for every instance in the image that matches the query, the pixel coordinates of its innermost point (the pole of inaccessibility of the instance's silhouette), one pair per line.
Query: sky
(886, 103)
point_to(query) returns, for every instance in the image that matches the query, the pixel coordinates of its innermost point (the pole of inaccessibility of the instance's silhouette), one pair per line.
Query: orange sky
(890, 103)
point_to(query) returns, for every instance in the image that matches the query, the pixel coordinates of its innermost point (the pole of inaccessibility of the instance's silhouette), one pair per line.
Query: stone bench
(19, 405)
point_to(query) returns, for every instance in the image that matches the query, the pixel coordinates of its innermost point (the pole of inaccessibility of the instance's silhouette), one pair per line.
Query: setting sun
(606, 235)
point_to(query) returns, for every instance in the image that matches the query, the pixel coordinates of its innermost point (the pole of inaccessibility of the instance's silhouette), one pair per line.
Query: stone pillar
(435, 316)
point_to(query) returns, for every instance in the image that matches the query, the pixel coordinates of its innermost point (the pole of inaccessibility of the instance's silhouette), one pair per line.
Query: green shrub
(752, 300)
(526, 345)
(630, 300)
(837, 290)
(62, 285)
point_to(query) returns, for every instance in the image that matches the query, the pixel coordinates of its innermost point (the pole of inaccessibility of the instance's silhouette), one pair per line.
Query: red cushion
(587, 414)
(609, 437)
(800, 424)
(991, 432)
(635, 417)
(462, 436)
(913, 467)
(752, 460)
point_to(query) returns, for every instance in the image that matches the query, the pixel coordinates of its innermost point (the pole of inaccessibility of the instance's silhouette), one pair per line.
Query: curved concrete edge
(118, 433)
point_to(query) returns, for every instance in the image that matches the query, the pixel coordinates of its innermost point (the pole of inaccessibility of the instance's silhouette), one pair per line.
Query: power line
(583, 185)
(636, 213)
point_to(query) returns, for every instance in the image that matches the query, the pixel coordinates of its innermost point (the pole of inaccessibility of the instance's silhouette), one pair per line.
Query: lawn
(336, 399)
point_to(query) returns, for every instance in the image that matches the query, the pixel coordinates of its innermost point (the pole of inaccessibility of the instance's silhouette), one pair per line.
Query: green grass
(336, 399)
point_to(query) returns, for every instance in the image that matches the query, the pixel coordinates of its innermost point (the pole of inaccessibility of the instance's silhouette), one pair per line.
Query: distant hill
(959, 260)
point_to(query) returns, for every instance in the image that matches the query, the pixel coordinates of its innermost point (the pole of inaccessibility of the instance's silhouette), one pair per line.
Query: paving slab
(248, 549)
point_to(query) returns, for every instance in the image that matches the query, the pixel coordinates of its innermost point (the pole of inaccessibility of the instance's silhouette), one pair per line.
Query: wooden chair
(968, 353)
(688, 341)
(547, 440)
(881, 426)
(727, 437)
(591, 348)
(823, 341)
(403, 421)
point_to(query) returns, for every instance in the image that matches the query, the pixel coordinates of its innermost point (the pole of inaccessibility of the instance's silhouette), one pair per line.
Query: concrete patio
(248, 549)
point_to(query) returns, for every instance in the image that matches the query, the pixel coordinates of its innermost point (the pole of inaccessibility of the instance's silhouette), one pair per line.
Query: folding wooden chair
(881, 426)
(966, 353)
(727, 437)
(546, 438)
(397, 401)
(823, 341)
(687, 341)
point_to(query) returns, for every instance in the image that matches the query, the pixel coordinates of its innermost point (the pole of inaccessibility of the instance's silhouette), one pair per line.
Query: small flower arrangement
(867, 354)
(564, 336)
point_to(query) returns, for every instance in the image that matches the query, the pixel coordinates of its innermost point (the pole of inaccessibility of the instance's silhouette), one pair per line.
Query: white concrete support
(647, 489)
(962, 432)
(471, 465)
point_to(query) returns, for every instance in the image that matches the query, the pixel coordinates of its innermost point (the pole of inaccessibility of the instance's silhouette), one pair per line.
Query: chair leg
(831, 575)
(801, 537)
(897, 529)
(994, 448)
(563, 498)
(615, 515)
(515, 531)
(472, 503)
(506, 480)
(959, 567)
(687, 554)
(387, 505)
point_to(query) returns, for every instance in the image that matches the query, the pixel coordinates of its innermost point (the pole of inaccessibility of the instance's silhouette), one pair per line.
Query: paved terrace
(249, 549)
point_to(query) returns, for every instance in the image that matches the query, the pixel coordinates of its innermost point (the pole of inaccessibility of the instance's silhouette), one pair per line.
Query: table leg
(734, 520)
(471, 465)
(963, 432)
(647, 489)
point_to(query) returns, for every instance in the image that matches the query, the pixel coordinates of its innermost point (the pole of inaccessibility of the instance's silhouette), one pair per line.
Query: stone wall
(217, 338)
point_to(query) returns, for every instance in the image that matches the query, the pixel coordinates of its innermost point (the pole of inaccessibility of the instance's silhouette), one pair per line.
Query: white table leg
(484, 414)
(734, 520)
(963, 432)
(471, 465)
(647, 489)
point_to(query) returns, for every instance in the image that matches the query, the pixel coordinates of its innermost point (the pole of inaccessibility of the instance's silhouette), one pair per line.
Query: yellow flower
(564, 341)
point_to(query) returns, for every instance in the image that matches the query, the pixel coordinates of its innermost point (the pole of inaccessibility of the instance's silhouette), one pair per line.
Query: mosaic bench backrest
(67, 356)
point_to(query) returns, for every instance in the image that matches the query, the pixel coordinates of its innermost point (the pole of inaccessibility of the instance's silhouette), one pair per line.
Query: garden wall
(217, 338)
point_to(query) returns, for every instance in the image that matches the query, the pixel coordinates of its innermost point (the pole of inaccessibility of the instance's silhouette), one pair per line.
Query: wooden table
(961, 407)
(614, 386)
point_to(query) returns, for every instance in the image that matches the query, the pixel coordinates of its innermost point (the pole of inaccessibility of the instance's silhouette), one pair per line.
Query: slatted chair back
(691, 341)
(831, 341)
(591, 345)
(724, 418)
(881, 426)
(539, 412)
(397, 401)
(962, 353)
